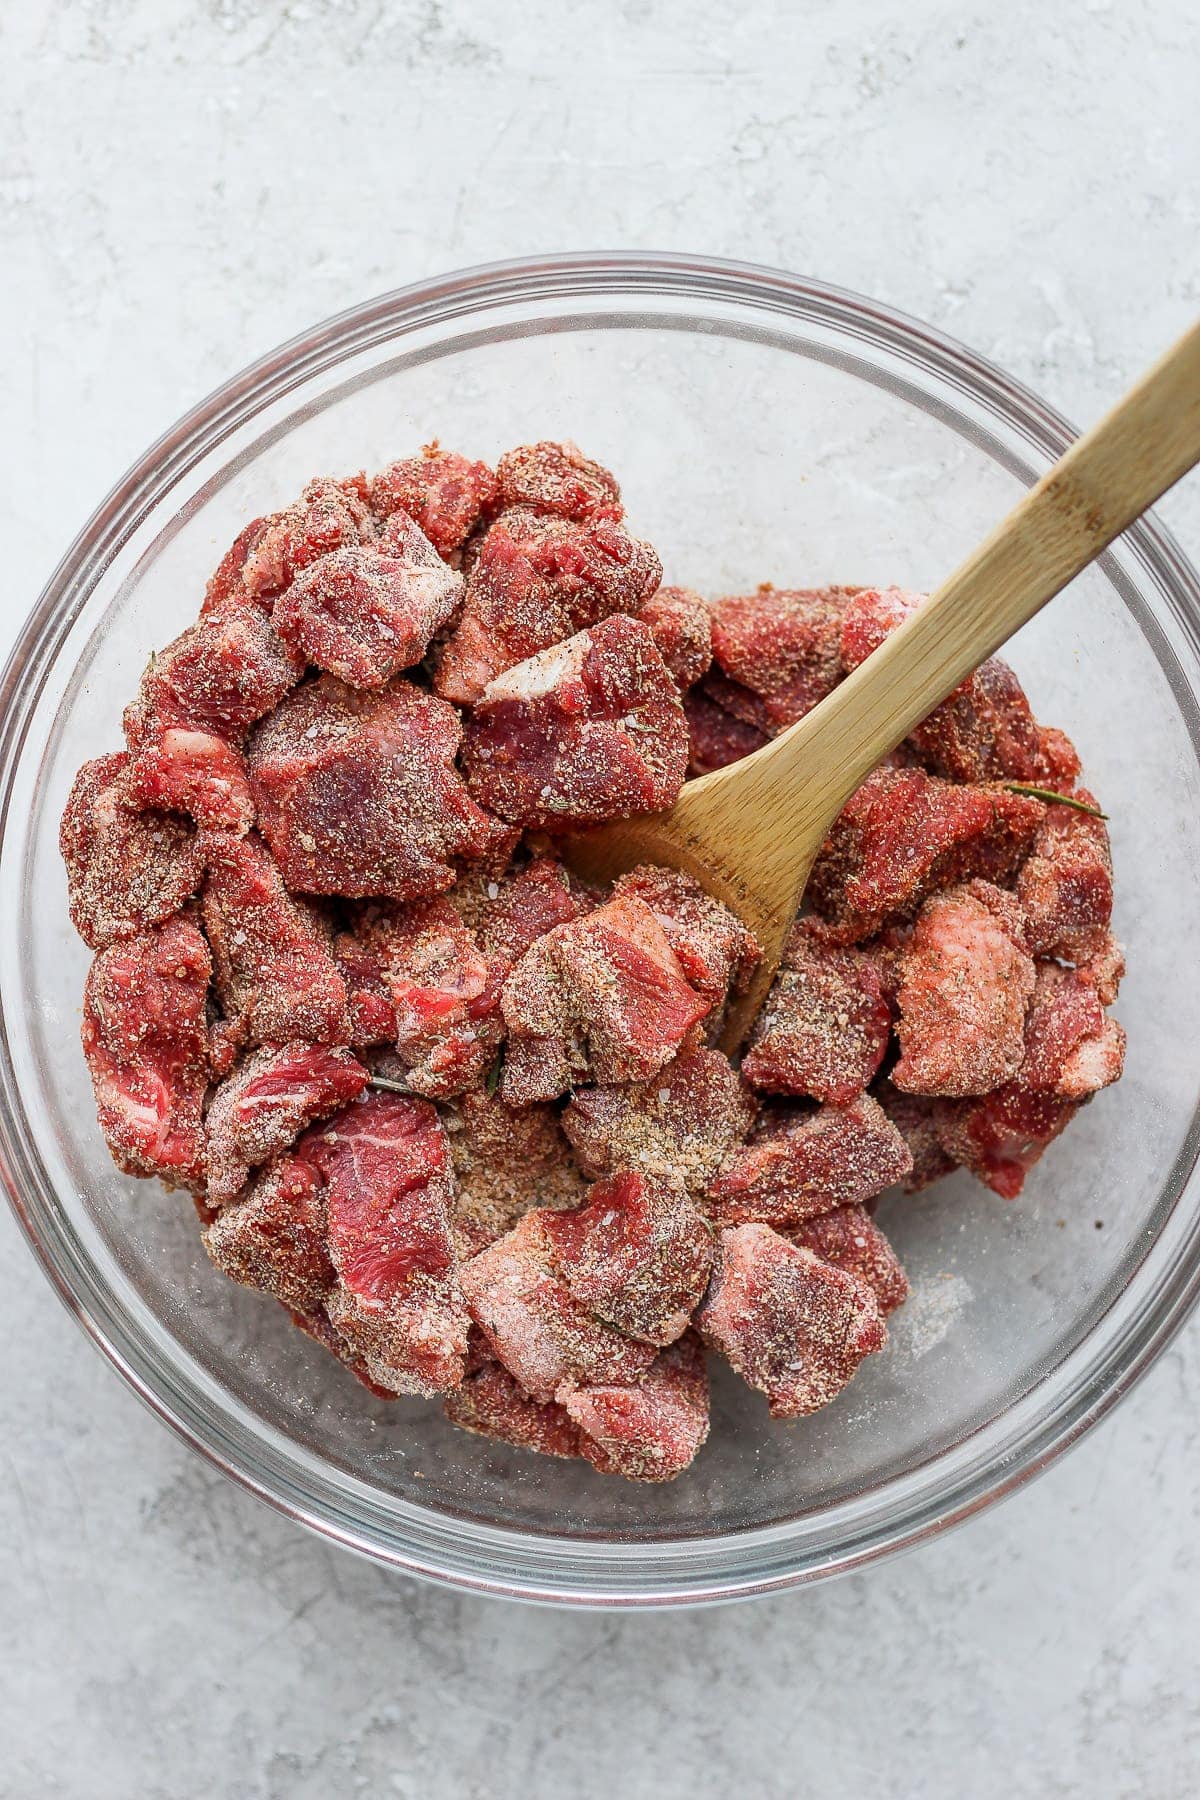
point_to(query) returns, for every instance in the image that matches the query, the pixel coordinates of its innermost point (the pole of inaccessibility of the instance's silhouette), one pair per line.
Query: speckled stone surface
(182, 185)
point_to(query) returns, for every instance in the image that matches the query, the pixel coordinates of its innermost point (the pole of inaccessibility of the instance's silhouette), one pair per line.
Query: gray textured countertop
(180, 187)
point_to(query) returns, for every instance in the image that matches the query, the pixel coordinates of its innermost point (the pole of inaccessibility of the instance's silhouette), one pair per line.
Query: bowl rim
(503, 1561)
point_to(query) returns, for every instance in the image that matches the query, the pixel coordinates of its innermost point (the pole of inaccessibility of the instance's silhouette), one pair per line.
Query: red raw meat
(850, 1239)
(717, 737)
(541, 1334)
(126, 869)
(904, 835)
(790, 1323)
(397, 1303)
(783, 645)
(985, 731)
(1066, 886)
(273, 965)
(330, 515)
(275, 1238)
(534, 582)
(800, 1164)
(716, 952)
(444, 993)
(367, 613)
(358, 794)
(228, 580)
(636, 1253)
(650, 1430)
(262, 1107)
(197, 700)
(825, 1026)
(966, 981)
(1000, 1136)
(506, 1160)
(684, 1124)
(604, 997)
(493, 1405)
(444, 493)
(557, 478)
(915, 1118)
(145, 1037)
(590, 729)
(682, 628)
(525, 907)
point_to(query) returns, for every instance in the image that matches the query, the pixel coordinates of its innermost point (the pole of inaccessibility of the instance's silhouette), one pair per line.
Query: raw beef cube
(329, 516)
(684, 1124)
(985, 730)
(506, 1160)
(1000, 1136)
(493, 1405)
(915, 1118)
(275, 1239)
(365, 614)
(197, 700)
(850, 1239)
(590, 729)
(800, 1164)
(541, 1334)
(358, 794)
(445, 993)
(557, 478)
(636, 1253)
(716, 952)
(273, 965)
(126, 869)
(368, 996)
(397, 1303)
(651, 1430)
(966, 981)
(1071, 1048)
(605, 996)
(791, 1324)
(782, 644)
(525, 907)
(316, 1325)
(904, 835)
(264, 1105)
(1066, 885)
(228, 580)
(825, 1026)
(682, 628)
(717, 738)
(443, 493)
(1104, 967)
(145, 1038)
(537, 581)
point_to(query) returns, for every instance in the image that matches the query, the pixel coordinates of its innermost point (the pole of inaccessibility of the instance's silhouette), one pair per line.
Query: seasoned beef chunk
(1066, 886)
(329, 516)
(716, 951)
(605, 997)
(682, 627)
(965, 983)
(636, 1254)
(523, 907)
(275, 1238)
(685, 1123)
(543, 1336)
(590, 729)
(445, 494)
(358, 794)
(782, 646)
(506, 1160)
(397, 1302)
(915, 1118)
(650, 1430)
(127, 869)
(825, 1026)
(904, 835)
(790, 1323)
(273, 965)
(535, 581)
(850, 1239)
(145, 1038)
(799, 1164)
(717, 737)
(557, 478)
(262, 1107)
(492, 1404)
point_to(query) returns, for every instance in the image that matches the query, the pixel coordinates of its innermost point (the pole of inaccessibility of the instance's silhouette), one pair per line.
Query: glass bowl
(763, 427)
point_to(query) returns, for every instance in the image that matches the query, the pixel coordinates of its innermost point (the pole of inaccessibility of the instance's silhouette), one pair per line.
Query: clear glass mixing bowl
(763, 427)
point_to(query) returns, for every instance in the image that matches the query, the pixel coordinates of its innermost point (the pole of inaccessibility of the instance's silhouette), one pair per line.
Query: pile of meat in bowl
(461, 1113)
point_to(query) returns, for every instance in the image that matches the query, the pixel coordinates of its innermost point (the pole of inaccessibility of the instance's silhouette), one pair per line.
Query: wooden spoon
(749, 833)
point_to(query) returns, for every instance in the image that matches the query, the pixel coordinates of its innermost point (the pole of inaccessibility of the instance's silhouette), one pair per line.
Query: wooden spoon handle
(1105, 480)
